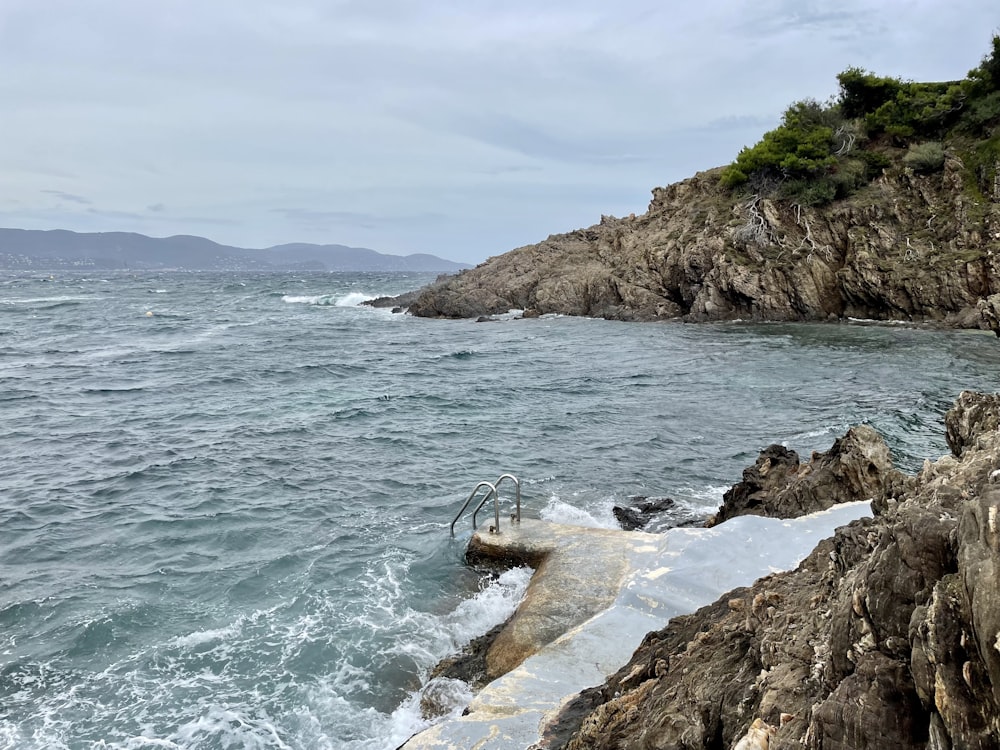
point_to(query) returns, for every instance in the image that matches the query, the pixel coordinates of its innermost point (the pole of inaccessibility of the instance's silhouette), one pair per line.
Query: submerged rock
(644, 510)
(887, 635)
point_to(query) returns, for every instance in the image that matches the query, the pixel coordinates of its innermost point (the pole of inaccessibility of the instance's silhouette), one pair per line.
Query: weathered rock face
(974, 414)
(887, 635)
(908, 246)
(857, 467)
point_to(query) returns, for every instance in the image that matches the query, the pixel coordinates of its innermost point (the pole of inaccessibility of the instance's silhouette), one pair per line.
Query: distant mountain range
(62, 249)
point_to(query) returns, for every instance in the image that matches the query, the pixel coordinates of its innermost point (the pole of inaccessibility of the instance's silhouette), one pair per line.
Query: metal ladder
(491, 488)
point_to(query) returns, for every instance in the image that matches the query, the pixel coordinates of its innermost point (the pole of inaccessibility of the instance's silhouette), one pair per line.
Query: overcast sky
(462, 129)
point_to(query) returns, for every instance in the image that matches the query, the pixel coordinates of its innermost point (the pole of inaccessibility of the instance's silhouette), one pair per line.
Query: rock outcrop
(907, 247)
(887, 635)
(857, 467)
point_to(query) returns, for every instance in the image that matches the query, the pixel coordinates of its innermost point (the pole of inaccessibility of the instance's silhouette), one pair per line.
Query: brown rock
(857, 467)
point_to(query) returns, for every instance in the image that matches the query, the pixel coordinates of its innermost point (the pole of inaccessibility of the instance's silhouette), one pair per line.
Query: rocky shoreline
(886, 635)
(910, 247)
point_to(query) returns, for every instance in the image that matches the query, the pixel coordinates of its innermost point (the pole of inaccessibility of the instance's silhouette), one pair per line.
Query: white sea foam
(491, 606)
(352, 299)
(45, 300)
(310, 299)
(559, 511)
(707, 498)
(200, 637)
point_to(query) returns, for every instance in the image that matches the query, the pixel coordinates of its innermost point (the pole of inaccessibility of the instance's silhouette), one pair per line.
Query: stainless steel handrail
(496, 505)
(516, 517)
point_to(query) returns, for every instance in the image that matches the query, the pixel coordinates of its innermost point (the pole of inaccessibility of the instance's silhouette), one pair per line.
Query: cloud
(68, 197)
(322, 219)
(416, 126)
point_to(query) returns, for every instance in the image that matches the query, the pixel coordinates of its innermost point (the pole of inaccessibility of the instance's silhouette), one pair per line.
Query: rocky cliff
(887, 635)
(908, 246)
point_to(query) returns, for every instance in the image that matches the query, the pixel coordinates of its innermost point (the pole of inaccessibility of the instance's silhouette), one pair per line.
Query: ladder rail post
(517, 493)
(493, 491)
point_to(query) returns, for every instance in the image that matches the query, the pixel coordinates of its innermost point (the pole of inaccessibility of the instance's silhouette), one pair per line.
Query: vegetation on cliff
(820, 152)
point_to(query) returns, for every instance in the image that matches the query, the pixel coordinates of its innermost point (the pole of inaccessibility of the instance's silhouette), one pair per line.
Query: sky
(461, 129)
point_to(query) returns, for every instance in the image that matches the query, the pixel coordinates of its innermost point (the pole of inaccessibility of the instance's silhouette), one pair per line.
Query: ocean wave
(559, 511)
(351, 299)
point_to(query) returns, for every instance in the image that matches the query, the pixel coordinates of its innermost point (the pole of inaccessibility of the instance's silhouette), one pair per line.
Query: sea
(225, 498)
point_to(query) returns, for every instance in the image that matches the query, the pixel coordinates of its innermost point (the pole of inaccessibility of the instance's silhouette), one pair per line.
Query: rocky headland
(887, 635)
(909, 246)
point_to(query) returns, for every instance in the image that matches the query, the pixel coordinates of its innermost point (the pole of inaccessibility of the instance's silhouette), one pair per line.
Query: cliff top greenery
(824, 151)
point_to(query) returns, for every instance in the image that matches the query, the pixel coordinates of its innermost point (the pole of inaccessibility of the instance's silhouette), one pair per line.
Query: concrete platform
(594, 595)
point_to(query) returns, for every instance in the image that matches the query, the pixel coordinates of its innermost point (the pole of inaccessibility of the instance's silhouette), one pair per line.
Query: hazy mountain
(62, 249)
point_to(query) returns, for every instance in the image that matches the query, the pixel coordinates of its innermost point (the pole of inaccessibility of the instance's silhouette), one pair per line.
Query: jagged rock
(989, 311)
(758, 737)
(908, 247)
(887, 635)
(857, 467)
(396, 303)
(975, 414)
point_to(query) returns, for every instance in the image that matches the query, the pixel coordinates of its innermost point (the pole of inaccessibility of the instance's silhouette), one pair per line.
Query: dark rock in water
(397, 303)
(470, 665)
(886, 636)
(629, 519)
(641, 511)
(857, 467)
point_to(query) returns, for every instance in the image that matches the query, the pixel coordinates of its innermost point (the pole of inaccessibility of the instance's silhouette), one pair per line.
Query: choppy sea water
(225, 499)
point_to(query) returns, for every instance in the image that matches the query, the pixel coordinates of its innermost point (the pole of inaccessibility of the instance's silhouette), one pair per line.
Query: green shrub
(925, 157)
(849, 176)
(982, 113)
(809, 192)
(800, 146)
(986, 78)
(982, 163)
(927, 109)
(875, 162)
(862, 92)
